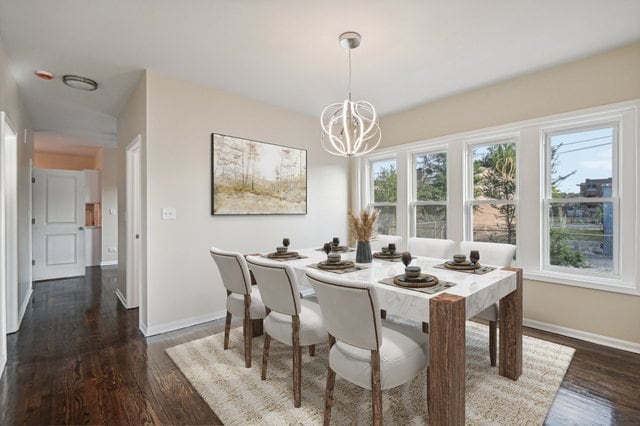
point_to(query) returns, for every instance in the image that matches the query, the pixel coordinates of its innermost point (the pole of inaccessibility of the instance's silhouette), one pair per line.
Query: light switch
(168, 213)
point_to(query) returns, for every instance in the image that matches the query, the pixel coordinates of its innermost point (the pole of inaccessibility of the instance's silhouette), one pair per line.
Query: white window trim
(369, 193)
(629, 187)
(413, 188)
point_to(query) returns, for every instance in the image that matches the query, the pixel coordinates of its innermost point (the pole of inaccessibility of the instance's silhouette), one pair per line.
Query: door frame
(134, 260)
(9, 221)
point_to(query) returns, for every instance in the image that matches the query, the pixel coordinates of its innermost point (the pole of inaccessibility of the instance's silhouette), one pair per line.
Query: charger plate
(343, 264)
(287, 255)
(424, 280)
(387, 256)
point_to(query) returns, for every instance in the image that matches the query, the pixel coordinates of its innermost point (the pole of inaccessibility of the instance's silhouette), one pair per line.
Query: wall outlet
(112, 250)
(168, 213)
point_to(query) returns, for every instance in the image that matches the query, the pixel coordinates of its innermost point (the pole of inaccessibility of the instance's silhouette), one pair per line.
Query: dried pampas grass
(363, 226)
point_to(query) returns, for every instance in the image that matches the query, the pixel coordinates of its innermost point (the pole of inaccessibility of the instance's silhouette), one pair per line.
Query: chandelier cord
(349, 74)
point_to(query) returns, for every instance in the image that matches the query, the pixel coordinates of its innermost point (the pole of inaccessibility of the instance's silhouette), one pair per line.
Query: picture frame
(250, 177)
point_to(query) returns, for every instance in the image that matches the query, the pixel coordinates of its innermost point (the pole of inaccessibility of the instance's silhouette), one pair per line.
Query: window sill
(592, 283)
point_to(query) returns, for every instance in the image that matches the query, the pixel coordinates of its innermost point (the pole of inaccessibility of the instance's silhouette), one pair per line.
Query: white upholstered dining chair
(291, 320)
(431, 247)
(242, 300)
(383, 240)
(364, 349)
(495, 254)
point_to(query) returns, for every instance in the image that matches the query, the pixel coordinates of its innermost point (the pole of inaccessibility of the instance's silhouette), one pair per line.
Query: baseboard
(599, 339)
(3, 362)
(108, 263)
(143, 328)
(23, 307)
(176, 325)
(121, 298)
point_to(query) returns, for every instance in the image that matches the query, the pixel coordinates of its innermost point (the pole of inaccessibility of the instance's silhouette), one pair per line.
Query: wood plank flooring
(80, 359)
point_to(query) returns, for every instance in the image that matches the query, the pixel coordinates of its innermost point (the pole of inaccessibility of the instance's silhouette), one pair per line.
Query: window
(429, 206)
(384, 194)
(580, 200)
(493, 192)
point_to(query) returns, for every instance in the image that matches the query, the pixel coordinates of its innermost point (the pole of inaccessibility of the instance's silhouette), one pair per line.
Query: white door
(133, 224)
(58, 230)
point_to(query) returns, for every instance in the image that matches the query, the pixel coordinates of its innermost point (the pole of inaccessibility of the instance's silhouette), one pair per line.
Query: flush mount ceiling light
(350, 128)
(78, 82)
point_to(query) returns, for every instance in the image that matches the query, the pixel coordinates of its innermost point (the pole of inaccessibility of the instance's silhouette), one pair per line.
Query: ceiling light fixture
(78, 82)
(350, 128)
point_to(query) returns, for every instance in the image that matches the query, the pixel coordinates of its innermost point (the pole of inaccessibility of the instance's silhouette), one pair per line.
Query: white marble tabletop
(480, 291)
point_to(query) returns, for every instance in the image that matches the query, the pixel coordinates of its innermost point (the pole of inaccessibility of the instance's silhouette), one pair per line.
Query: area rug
(238, 396)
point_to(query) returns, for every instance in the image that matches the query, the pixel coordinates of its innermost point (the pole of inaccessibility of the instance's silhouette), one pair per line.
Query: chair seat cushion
(403, 354)
(312, 329)
(235, 305)
(489, 314)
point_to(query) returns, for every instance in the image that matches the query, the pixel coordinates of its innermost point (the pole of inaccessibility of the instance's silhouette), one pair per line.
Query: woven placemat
(337, 271)
(442, 285)
(285, 259)
(480, 271)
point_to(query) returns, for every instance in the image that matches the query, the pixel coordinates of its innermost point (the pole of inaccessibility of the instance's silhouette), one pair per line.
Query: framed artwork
(256, 178)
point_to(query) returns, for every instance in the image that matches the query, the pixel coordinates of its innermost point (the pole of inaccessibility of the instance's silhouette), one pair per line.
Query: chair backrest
(233, 270)
(431, 247)
(384, 240)
(350, 310)
(277, 283)
(490, 253)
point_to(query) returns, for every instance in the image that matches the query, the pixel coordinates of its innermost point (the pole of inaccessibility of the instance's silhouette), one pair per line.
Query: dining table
(442, 315)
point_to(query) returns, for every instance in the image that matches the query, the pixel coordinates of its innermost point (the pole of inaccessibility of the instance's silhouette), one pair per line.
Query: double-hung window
(429, 205)
(384, 194)
(580, 201)
(493, 192)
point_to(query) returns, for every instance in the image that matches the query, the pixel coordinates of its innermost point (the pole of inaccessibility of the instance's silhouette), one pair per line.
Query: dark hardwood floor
(80, 359)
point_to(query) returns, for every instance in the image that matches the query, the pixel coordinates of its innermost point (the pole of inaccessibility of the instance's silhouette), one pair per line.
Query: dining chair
(291, 320)
(496, 254)
(383, 240)
(365, 350)
(242, 300)
(431, 247)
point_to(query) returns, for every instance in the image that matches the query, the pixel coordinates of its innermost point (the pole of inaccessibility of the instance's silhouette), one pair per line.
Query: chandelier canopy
(350, 128)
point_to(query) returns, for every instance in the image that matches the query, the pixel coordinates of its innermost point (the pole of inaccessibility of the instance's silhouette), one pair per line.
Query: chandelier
(350, 128)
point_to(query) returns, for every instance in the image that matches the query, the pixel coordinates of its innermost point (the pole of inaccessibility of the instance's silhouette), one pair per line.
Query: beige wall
(107, 161)
(609, 77)
(48, 160)
(11, 103)
(132, 122)
(183, 284)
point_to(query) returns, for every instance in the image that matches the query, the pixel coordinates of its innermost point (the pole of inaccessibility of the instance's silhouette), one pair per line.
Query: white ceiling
(56, 143)
(285, 52)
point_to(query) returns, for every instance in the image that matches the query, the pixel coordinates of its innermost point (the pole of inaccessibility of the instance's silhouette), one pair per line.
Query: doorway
(134, 228)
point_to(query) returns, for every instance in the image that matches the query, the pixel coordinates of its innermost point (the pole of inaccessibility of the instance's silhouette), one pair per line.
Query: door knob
(81, 228)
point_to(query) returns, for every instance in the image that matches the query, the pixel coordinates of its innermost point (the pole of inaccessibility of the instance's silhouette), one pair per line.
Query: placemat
(284, 259)
(347, 250)
(442, 285)
(480, 271)
(337, 271)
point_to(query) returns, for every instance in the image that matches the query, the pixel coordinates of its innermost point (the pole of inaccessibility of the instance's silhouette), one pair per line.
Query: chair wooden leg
(493, 328)
(247, 329)
(312, 350)
(227, 328)
(376, 388)
(265, 355)
(328, 393)
(297, 363)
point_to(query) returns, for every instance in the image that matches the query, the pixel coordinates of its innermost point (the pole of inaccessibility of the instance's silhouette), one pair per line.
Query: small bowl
(333, 258)
(385, 250)
(281, 249)
(459, 258)
(412, 271)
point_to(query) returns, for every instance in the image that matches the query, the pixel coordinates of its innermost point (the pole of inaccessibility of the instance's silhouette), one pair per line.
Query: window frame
(469, 198)
(370, 192)
(413, 188)
(548, 200)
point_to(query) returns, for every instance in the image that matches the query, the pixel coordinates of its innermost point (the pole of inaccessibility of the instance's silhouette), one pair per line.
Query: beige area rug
(238, 396)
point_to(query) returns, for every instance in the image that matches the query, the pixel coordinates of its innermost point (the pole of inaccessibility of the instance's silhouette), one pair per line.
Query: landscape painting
(256, 178)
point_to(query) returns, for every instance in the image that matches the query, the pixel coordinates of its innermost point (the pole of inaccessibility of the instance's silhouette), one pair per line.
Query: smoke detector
(45, 75)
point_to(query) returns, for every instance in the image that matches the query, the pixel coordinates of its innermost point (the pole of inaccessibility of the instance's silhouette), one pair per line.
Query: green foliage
(562, 253)
(385, 184)
(431, 177)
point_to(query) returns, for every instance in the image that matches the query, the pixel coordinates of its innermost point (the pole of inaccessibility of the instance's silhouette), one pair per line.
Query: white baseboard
(176, 325)
(143, 328)
(24, 306)
(599, 339)
(3, 362)
(108, 263)
(121, 298)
